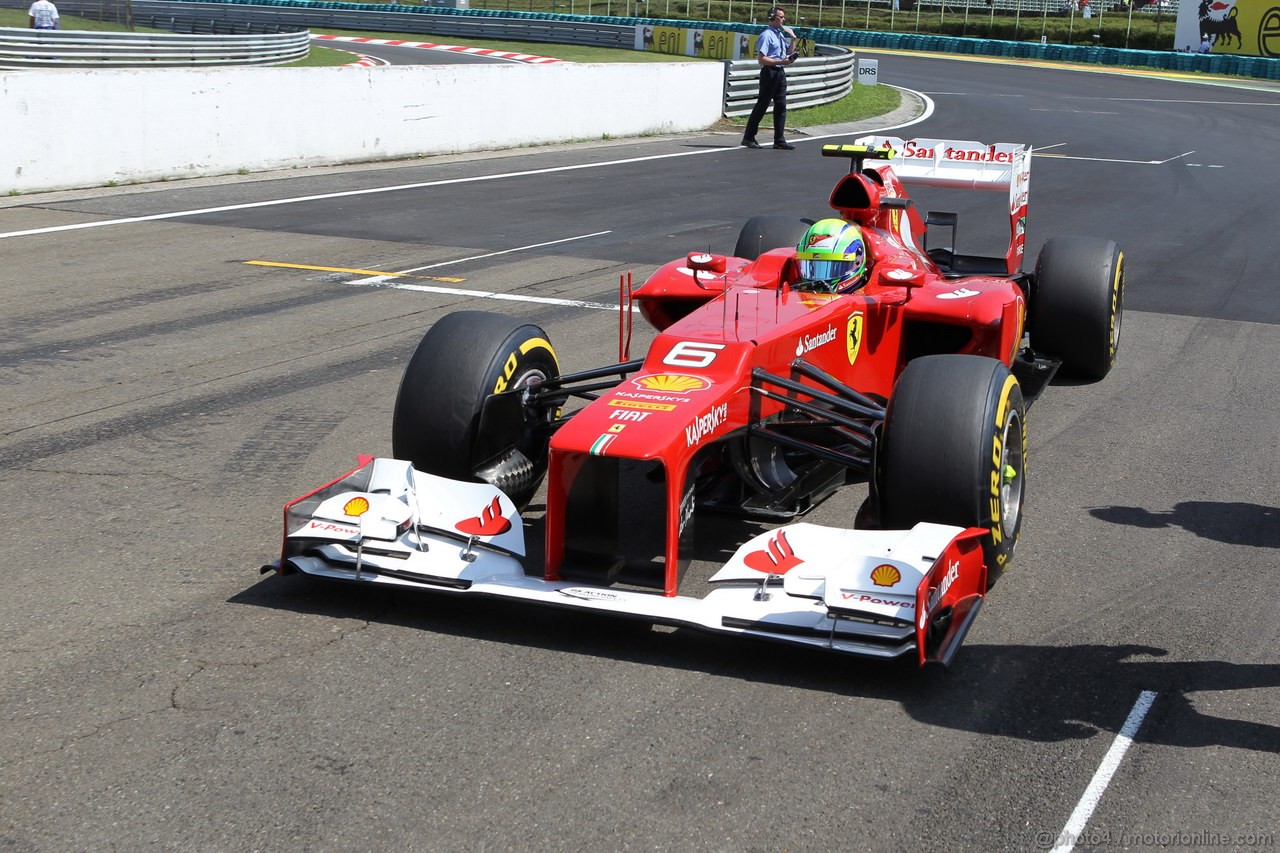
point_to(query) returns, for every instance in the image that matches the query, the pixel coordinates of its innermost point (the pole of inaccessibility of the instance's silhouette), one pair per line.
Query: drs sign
(868, 71)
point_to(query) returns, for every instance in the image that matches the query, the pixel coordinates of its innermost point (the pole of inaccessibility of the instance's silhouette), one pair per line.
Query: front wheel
(769, 231)
(1075, 310)
(953, 451)
(462, 361)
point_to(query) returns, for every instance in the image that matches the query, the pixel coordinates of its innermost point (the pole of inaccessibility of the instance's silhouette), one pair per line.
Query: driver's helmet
(832, 257)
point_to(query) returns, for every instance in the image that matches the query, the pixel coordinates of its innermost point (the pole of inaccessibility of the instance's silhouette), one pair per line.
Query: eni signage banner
(687, 41)
(708, 44)
(712, 44)
(661, 39)
(1241, 27)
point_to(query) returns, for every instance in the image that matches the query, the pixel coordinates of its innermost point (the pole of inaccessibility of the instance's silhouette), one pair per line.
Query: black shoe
(784, 146)
(751, 143)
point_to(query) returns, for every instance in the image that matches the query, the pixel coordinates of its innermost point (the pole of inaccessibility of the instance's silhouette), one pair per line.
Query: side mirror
(902, 277)
(706, 263)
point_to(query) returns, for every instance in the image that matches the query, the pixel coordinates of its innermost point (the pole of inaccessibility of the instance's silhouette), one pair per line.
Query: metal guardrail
(441, 22)
(25, 48)
(811, 81)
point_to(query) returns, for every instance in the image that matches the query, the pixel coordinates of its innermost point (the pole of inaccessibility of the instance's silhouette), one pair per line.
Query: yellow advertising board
(709, 44)
(712, 44)
(662, 39)
(1241, 27)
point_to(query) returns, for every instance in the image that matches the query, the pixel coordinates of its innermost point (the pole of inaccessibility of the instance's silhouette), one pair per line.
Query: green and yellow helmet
(832, 256)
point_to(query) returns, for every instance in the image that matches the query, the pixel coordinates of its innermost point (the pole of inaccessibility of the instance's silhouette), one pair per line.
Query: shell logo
(885, 575)
(671, 382)
(356, 507)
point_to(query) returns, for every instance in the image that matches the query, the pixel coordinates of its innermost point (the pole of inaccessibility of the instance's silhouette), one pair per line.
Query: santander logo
(776, 559)
(490, 522)
(812, 342)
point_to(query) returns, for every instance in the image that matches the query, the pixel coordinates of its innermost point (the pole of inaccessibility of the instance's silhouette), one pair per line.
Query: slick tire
(769, 231)
(462, 360)
(953, 451)
(1075, 310)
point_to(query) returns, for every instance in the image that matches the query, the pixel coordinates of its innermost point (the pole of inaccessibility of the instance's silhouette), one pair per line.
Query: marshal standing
(774, 52)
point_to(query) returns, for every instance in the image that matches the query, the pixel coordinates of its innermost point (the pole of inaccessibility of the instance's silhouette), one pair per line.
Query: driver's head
(831, 256)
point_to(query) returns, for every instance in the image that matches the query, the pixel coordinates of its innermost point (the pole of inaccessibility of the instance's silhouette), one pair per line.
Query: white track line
(387, 281)
(378, 279)
(487, 294)
(1102, 778)
(1113, 160)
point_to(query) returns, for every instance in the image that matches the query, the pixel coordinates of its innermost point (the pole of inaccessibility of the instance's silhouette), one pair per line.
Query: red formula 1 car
(761, 395)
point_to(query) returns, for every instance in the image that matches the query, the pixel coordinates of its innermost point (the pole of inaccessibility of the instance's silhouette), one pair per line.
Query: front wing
(878, 594)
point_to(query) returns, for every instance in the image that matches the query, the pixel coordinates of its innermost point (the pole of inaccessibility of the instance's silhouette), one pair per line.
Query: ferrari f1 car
(761, 395)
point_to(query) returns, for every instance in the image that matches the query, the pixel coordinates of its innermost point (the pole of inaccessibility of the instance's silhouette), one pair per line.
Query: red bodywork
(732, 316)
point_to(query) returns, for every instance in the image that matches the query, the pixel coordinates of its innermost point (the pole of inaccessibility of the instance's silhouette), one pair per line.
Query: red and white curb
(476, 51)
(362, 61)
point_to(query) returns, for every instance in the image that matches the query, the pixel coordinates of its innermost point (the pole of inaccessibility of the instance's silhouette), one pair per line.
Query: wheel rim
(1118, 314)
(1011, 474)
(532, 376)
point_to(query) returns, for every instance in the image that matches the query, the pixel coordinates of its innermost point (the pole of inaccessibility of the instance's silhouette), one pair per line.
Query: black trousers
(773, 88)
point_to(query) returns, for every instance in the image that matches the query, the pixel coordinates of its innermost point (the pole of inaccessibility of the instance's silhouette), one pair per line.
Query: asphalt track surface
(164, 397)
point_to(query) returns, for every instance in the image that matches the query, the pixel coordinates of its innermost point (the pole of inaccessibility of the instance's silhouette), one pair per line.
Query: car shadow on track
(1036, 693)
(1070, 692)
(1232, 522)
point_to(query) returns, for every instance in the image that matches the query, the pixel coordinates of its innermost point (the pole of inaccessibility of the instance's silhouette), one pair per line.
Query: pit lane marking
(1102, 777)
(406, 274)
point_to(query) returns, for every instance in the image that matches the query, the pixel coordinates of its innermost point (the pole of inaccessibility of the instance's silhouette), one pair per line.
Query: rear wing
(962, 164)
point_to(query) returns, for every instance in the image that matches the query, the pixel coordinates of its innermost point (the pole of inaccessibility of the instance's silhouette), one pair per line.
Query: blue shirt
(772, 43)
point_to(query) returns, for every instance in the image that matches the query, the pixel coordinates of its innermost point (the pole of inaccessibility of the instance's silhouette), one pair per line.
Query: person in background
(774, 53)
(43, 15)
(1206, 44)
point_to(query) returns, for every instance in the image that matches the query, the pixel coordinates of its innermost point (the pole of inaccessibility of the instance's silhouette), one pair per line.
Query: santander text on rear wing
(964, 164)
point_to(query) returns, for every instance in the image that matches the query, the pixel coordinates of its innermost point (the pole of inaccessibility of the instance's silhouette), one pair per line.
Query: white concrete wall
(62, 129)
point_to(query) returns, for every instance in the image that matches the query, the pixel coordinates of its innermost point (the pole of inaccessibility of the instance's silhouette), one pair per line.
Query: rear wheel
(1077, 305)
(953, 451)
(769, 231)
(460, 362)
